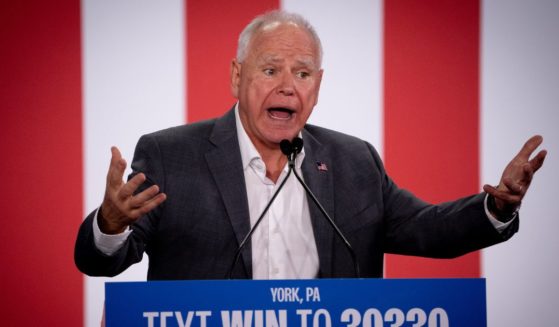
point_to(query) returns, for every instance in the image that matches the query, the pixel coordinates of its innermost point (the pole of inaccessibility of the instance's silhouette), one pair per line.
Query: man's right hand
(121, 207)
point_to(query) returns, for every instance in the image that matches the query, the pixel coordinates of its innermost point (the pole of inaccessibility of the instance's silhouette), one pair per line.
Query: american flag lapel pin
(321, 166)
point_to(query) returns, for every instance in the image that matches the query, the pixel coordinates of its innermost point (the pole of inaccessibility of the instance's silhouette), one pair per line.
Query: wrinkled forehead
(276, 39)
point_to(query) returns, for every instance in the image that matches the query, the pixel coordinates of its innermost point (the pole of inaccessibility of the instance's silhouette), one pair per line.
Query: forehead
(276, 41)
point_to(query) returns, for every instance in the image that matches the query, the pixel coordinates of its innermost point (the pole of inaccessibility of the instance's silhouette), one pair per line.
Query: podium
(317, 302)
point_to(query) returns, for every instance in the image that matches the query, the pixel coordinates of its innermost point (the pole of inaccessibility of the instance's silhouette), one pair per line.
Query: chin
(275, 135)
(283, 136)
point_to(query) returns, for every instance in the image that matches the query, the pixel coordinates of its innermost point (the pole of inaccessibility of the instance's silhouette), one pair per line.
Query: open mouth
(280, 113)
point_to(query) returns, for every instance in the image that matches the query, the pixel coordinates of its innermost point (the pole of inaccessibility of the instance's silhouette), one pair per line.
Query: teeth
(281, 109)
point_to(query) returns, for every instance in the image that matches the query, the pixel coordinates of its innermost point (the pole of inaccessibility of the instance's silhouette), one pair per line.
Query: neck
(274, 159)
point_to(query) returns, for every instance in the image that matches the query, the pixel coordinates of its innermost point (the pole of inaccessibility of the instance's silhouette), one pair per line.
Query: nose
(286, 86)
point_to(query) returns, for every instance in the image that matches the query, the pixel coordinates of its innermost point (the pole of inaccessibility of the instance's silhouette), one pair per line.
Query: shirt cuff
(499, 225)
(108, 243)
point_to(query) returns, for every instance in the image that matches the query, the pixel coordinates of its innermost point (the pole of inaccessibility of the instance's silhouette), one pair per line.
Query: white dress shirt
(283, 245)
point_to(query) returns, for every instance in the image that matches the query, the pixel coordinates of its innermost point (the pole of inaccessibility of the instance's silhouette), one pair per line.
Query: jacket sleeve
(446, 230)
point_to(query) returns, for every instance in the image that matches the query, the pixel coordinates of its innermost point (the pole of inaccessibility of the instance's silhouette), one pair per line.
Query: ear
(235, 78)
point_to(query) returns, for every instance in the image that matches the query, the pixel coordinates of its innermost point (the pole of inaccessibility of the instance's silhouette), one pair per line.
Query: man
(196, 190)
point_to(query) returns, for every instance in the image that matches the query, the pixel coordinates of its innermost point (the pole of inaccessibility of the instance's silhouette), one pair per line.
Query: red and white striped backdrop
(446, 90)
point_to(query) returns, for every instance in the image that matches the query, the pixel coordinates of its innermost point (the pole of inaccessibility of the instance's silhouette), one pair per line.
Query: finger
(131, 186)
(537, 161)
(489, 189)
(116, 168)
(139, 199)
(150, 205)
(502, 195)
(529, 147)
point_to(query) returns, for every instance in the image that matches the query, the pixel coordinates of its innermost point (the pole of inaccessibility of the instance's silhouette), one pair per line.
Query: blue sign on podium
(317, 302)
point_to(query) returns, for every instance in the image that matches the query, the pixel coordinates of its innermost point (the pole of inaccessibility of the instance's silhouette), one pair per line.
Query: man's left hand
(516, 178)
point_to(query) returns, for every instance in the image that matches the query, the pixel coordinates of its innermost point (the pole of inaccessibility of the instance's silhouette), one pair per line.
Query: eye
(269, 71)
(303, 74)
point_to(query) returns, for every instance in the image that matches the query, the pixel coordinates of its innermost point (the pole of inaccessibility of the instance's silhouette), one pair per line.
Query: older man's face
(277, 84)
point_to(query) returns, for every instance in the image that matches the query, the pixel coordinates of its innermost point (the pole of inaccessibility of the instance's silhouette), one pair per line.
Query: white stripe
(133, 57)
(520, 93)
(351, 92)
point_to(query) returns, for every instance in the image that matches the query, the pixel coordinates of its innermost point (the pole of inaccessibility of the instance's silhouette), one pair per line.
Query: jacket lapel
(322, 185)
(225, 163)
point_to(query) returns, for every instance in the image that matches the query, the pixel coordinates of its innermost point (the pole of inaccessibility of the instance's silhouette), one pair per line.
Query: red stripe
(431, 96)
(213, 27)
(41, 162)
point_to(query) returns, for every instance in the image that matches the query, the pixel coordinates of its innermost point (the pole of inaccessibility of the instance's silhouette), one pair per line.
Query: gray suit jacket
(195, 232)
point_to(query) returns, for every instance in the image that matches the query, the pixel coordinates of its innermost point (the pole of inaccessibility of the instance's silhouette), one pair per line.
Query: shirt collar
(248, 151)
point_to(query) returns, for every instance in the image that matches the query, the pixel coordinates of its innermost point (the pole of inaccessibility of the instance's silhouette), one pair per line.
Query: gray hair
(276, 16)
